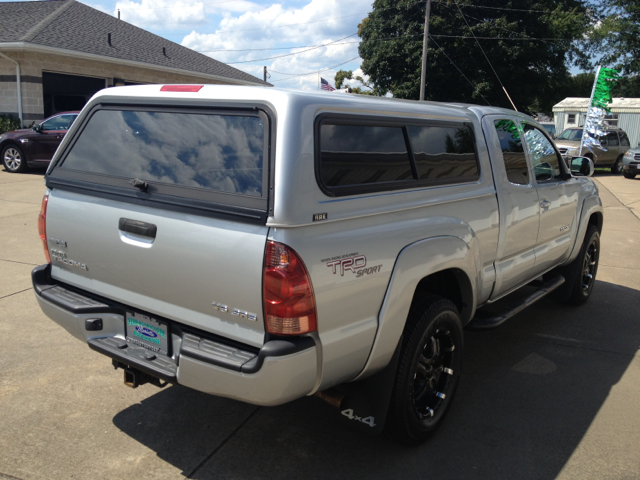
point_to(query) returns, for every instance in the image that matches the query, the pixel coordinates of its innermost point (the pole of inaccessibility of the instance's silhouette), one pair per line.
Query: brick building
(63, 52)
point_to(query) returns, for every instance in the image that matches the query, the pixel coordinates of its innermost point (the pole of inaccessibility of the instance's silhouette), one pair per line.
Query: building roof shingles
(71, 25)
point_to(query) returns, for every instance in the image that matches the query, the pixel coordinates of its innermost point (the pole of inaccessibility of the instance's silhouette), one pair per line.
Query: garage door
(63, 93)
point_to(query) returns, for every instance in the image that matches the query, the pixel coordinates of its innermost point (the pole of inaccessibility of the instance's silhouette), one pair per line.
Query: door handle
(137, 227)
(545, 204)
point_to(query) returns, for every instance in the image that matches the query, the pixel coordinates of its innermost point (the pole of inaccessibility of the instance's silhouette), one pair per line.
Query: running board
(496, 320)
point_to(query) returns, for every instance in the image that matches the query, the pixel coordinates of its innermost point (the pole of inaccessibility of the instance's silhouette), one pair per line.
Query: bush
(8, 123)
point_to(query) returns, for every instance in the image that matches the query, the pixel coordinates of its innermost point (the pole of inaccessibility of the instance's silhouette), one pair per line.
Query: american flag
(324, 85)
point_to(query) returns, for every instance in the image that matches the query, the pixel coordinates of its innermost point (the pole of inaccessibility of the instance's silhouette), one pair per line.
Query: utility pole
(265, 73)
(423, 76)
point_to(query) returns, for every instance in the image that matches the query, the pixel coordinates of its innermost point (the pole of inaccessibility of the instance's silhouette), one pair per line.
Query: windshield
(571, 134)
(549, 128)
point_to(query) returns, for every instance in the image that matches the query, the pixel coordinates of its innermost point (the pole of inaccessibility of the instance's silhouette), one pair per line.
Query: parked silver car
(631, 163)
(264, 244)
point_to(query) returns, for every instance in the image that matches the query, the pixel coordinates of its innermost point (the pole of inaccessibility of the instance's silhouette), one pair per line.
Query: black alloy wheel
(590, 264)
(428, 370)
(432, 379)
(580, 275)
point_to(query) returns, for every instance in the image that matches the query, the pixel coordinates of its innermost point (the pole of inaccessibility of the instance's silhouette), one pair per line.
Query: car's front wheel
(617, 166)
(629, 175)
(428, 370)
(13, 159)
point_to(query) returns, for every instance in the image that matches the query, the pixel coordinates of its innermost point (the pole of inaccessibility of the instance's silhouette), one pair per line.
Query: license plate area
(147, 332)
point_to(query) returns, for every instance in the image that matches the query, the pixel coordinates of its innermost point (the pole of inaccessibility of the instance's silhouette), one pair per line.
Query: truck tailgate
(193, 262)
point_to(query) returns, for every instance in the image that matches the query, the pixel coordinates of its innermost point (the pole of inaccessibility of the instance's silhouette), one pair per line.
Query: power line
(493, 8)
(391, 39)
(475, 87)
(316, 71)
(290, 54)
(337, 42)
(488, 61)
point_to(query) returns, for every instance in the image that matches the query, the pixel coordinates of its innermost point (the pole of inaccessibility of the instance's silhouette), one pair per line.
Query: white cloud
(164, 14)
(316, 23)
(181, 14)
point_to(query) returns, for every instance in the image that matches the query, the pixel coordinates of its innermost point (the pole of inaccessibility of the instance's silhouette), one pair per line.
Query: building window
(611, 119)
(571, 118)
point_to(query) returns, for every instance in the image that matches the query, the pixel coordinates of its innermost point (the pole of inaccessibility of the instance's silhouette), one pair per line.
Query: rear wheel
(428, 370)
(617, 167)
(13, 159)
(580, 275)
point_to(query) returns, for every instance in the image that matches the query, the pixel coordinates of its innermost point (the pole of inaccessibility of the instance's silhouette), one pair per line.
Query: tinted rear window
(355, 155)
(220, 152)
(443, 152)
(359, 154)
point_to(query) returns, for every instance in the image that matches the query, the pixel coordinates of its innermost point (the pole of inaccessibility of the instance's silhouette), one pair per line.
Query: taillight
(42, 227)
(181, 88)
(289, 303)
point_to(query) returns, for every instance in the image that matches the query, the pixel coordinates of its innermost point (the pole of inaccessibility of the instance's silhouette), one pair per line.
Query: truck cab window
(515, 162)
(544, 158)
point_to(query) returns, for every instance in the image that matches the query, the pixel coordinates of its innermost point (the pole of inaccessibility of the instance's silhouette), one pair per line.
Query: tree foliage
(8, 123)
(615, 37)
(534, 72)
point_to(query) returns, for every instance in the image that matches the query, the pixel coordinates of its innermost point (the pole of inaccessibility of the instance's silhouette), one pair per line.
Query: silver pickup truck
(263, 244)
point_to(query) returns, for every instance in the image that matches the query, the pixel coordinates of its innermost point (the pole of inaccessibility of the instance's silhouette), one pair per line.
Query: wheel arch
(597, 219)
(591, 214)
(446, 265)
(452, 284)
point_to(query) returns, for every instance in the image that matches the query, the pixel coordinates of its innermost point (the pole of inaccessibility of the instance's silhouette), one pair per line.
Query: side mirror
(37, 128)
(582, 167)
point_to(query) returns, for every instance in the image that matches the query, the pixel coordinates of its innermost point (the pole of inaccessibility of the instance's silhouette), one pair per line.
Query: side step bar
(496, 320)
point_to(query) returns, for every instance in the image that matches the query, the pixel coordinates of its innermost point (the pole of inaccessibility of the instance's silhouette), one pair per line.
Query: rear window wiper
(141, 184)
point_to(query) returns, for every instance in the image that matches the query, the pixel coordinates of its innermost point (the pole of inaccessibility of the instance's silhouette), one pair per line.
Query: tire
(13, 159)
(629, 175)
(580, 275)
(428, 370)
(616, 168)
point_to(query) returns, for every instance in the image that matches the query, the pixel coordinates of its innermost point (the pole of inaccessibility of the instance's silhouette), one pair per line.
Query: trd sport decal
(352, 262)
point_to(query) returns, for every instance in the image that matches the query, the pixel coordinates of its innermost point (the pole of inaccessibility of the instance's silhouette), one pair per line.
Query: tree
(580, 85)
(534, 72)
(615, 35)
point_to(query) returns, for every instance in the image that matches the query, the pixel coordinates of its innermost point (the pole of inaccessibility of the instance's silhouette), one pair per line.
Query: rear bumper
(281, 371)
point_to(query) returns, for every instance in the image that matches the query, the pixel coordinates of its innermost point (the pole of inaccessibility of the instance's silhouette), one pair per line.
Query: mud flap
(365, 403)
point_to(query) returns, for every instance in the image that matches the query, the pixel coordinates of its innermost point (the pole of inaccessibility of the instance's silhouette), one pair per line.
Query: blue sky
(249, 31)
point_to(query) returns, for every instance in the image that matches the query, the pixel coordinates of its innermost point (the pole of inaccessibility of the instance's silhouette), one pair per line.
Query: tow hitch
(134, 378)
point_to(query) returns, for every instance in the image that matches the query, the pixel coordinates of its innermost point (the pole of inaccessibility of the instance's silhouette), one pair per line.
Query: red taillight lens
(181, 88)
(289, 303)
(42, 227)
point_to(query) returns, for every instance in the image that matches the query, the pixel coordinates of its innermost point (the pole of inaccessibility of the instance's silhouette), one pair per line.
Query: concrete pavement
(554, 393)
